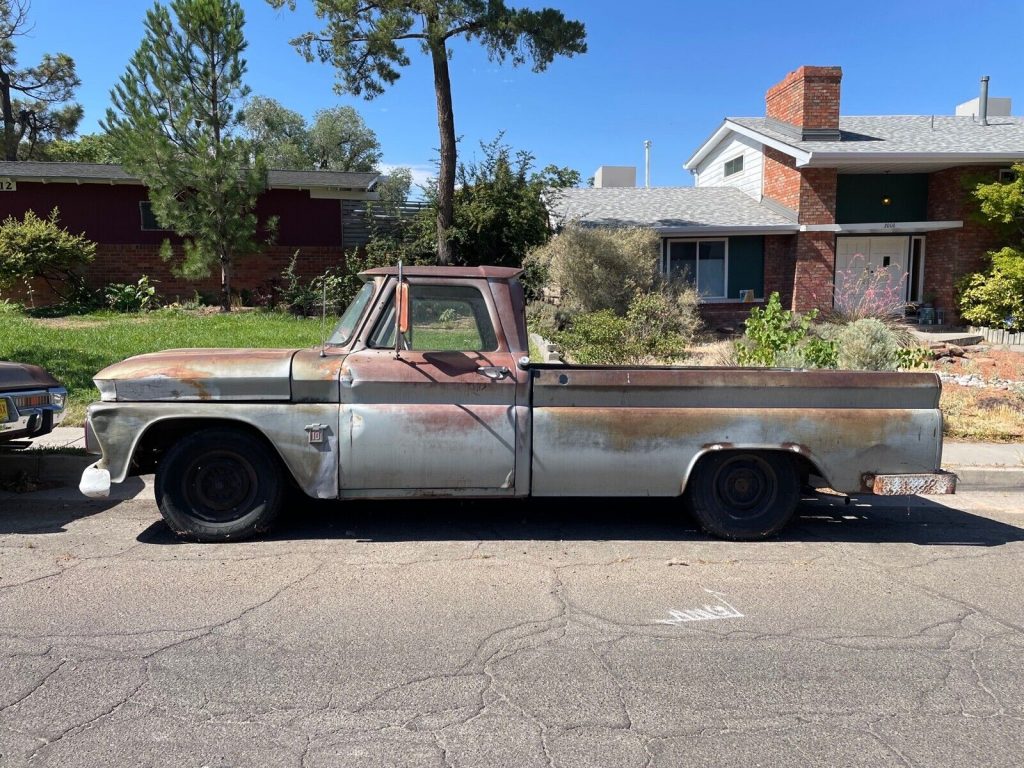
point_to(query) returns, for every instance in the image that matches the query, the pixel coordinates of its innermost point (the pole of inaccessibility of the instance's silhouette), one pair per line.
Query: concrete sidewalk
(991, 466)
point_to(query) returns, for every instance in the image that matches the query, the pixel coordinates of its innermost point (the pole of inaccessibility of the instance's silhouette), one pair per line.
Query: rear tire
(744, 495)
(218, 485)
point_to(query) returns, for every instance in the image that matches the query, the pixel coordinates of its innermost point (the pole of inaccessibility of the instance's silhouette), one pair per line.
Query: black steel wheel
(219, 484)
(744, 495)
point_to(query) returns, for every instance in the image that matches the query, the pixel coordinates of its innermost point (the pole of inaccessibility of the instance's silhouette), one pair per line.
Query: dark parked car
(31, 401)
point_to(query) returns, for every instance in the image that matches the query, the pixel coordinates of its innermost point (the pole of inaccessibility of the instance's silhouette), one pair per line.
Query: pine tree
(366, 42)
(174, 122)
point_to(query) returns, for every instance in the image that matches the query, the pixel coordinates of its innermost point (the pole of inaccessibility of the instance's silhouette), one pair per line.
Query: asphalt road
(486, 634)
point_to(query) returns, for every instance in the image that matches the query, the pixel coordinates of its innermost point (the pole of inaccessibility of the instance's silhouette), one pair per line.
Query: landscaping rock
(954, 350)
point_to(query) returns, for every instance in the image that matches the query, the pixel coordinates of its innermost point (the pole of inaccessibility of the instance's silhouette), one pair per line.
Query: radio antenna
(398, 312)
(323, 322)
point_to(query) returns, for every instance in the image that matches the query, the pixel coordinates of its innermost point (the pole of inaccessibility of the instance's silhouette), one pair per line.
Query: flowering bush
(862, 293)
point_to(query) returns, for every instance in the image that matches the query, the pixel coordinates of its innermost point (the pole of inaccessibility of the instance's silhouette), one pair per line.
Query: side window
(445, 318)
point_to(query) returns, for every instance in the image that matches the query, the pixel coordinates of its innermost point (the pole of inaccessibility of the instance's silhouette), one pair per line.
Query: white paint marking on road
(708, 612)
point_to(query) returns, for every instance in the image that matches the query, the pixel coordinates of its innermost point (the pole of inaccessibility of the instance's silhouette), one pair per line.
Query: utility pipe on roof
(983, 101)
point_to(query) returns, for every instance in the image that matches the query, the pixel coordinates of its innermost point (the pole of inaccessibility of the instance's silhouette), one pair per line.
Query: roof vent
(984, 106)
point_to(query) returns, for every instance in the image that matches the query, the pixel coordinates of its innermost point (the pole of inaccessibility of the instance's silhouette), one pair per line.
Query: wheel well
(161, 435)
(805, 466)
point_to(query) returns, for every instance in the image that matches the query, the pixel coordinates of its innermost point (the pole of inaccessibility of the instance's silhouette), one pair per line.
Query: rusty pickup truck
(425, 389)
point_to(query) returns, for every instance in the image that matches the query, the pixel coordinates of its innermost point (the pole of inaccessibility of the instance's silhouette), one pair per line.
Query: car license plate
(3, 410)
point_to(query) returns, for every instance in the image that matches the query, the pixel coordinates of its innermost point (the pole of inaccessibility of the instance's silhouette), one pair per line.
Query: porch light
(886, 200)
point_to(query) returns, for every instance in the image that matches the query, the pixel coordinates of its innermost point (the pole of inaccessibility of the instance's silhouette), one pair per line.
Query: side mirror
(402, 305)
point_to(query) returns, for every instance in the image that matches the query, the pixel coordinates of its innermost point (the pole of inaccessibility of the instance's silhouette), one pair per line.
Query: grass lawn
(74, 348)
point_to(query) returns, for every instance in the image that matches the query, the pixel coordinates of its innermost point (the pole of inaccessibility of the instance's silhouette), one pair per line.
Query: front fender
(119, 429)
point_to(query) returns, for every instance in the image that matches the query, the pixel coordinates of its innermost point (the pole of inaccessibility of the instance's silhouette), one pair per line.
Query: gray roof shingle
(29, 169)
(912, 134)
(664, 208)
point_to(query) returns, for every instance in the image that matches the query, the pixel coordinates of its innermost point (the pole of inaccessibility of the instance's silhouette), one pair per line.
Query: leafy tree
(174, 123)
(90, 148)
(365, 41)
(32, 99)
(40, 248)
(995, 296)
(339, 140)
(276, 133)
(499, 209)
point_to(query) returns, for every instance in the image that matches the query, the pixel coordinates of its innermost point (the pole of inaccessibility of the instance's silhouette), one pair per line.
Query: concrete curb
(57, 468)
(989, 478)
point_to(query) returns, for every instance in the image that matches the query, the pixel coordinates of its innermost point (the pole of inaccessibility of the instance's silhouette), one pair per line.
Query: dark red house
(110, 206)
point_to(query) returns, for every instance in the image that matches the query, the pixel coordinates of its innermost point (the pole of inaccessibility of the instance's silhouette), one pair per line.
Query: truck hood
(200, 374)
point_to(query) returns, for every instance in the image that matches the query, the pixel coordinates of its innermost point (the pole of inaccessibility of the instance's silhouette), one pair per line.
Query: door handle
(494, 372)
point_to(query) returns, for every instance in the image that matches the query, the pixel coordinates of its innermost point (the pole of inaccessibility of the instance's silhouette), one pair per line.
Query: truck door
(440, 416)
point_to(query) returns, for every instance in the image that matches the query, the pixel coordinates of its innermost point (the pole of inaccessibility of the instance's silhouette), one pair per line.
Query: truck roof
(498, 273)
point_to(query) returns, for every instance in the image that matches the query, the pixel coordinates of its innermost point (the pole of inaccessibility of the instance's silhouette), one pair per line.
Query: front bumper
(918, 484)
(31, 413)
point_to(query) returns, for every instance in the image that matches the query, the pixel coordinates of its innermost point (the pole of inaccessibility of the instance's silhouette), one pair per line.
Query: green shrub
(908, 358)
(770, 332)
(867, 345)
(40, 248)
(132, 297)
(546, 319)
(307, 297)
(598, 268)
(995, 297)
(657, 327)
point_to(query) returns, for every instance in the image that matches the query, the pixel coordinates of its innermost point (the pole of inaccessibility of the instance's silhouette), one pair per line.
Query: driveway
(512, 634)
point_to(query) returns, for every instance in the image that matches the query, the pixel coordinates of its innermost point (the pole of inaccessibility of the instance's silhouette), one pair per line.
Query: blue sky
(664, 70)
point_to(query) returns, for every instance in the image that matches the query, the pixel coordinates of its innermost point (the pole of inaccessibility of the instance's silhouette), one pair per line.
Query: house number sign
(8, 185)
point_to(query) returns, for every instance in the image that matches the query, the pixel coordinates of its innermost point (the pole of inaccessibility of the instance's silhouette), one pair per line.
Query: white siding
(711, 171)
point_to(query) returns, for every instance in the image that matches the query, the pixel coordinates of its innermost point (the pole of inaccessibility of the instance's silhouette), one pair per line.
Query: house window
(148, 218)
(734, 166)
(702, 263)
(1006, 175)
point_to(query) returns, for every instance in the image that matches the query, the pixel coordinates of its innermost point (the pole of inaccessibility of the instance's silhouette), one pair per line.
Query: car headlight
(108, 392)
(57, 399)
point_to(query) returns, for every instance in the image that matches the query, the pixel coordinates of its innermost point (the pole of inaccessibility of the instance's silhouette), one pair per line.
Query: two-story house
(787, 201)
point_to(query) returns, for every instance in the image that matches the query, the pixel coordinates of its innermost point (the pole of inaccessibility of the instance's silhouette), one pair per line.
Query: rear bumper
(918, 484)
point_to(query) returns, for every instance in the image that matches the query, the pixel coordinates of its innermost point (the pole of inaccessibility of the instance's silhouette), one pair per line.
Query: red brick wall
(818, 196)
(119, 263)
(727, 315)
(808, 98)
(781, 179)
(779, 267)
(814, 270)
(127, 263)
(951, 254)
(802, 269)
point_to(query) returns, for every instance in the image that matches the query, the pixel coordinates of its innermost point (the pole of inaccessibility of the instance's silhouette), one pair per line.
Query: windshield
(346, 327)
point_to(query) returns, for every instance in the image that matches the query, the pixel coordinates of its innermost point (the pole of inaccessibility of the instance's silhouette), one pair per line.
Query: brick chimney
(805, 105)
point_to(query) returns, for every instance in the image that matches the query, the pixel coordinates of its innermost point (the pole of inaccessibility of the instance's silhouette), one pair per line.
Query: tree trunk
(446, 129)
(10, 139)
(225, 284)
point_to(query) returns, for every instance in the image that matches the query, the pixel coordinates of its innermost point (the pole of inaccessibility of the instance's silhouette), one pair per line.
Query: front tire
(744, 496)
(218, 485)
